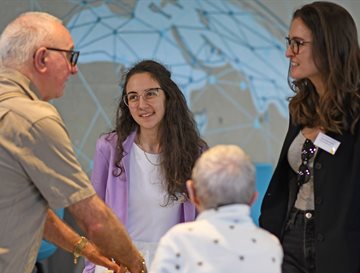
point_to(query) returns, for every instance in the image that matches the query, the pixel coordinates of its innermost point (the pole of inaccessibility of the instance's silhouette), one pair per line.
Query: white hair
(224, 175)
(26, 33)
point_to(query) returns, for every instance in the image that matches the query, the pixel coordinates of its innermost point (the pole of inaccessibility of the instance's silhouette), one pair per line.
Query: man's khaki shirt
(38, 170)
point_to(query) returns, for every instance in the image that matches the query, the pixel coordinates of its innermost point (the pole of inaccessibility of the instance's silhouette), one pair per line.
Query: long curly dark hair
(337, 57)
(180, 142)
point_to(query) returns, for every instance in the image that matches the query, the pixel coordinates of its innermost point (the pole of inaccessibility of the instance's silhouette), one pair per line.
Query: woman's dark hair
(336, 55)
(180, 142)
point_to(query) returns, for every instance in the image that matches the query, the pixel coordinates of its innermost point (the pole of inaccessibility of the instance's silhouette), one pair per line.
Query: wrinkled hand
(123, 269)
(138, 267)
(93, 254)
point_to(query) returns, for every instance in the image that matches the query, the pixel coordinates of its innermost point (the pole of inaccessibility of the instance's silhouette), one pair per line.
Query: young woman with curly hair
(141, 167)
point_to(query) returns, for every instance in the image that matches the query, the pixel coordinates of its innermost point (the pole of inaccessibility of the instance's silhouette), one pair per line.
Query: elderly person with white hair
(223, 238)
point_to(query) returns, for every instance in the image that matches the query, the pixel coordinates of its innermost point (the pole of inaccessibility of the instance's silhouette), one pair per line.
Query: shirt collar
(236, 212)
(19, 82)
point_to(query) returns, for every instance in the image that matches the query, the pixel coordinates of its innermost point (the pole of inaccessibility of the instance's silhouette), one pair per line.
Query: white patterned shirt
(220, 240)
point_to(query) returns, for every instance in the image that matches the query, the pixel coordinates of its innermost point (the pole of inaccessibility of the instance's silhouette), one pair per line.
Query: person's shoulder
(106, 141)
(31, 110)
(266, 235)
(181, 231)
(110, 137)
(182, 228)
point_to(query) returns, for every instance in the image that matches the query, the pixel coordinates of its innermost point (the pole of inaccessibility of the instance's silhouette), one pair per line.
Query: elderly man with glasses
(38, 166)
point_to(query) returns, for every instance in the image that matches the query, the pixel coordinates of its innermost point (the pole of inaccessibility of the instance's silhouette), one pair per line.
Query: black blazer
(337, 202)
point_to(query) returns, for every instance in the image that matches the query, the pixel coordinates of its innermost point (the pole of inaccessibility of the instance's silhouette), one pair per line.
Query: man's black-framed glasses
(132, 98)
(295, 44)
(307, 152)
(72, 54)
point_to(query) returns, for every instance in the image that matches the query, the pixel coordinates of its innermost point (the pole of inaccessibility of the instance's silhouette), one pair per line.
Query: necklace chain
(148, 159)
(145, 153)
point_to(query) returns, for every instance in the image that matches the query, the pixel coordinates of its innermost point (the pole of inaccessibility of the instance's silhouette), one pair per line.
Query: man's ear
(253, 198)
(40, 59)
(192, 193)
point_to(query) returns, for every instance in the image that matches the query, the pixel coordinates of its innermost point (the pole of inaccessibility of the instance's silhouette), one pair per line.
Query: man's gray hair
(224, 175)
(25, 34)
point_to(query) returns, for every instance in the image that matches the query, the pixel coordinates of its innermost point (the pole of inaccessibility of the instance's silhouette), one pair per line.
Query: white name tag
(327, 143)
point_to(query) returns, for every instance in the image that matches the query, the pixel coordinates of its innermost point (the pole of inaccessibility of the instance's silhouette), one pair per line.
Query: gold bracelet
(143, 266)
(79, 246)
(142, 270)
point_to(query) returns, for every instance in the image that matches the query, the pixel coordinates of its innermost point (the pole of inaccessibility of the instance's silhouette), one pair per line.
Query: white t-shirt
(148, 218)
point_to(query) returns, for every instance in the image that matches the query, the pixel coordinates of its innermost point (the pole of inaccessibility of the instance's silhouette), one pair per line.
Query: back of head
(224, 175)
(21, 37)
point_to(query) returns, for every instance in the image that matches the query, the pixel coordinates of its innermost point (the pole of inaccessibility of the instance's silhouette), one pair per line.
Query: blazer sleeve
(101, 168)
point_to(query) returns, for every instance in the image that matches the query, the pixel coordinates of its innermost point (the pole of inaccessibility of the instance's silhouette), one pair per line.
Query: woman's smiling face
(302, 63)
(148, 114)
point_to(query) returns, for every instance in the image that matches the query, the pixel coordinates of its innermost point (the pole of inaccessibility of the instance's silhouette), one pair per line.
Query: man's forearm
(59, 233)
(105, 230)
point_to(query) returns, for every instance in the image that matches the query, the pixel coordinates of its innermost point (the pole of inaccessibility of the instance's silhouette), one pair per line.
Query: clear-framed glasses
(132, 98)
(307, 152)
(295, 44)
(71, 54)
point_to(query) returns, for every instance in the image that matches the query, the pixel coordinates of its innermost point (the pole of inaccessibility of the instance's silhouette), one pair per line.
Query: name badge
(327, 143)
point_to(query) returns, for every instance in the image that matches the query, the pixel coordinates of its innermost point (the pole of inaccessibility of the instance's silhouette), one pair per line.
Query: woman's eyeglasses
(295, 44)
(308, 151)
(132, 98)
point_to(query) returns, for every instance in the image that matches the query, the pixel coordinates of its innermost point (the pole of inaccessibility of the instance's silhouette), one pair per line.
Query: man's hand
(59, 233)
(138, 266)
(92, 253)
(103, 228)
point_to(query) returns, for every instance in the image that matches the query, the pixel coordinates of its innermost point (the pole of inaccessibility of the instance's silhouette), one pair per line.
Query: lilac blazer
(114, 190)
